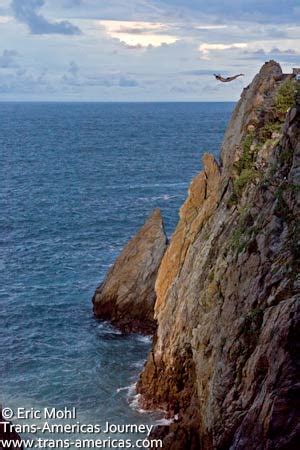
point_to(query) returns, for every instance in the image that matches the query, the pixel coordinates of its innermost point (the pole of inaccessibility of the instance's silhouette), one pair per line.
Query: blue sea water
(77, 181)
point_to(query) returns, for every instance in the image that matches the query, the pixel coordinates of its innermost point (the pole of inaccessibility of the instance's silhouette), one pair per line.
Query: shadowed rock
(13, 440)
(127, 295)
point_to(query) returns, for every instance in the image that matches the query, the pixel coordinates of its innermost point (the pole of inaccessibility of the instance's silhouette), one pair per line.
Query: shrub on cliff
(268, 129)
(246, 176)
(285, 97)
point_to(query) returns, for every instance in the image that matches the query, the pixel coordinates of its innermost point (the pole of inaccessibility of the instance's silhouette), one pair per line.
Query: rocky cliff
(127, 295)
(224, 360)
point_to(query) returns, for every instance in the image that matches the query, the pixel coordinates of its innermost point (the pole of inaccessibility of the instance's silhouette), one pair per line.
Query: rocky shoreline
(224, 358)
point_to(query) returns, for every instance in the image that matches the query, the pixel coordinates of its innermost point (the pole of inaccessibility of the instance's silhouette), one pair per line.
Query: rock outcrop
(224, 359)
(13, 440)
(126, 297)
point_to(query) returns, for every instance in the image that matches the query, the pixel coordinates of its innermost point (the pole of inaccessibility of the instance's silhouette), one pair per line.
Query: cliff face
(223, 362)
(127, 295)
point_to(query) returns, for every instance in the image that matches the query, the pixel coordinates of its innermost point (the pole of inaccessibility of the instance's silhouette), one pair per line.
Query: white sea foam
(131, 390)
(145, 339)
(164, 421)
(133, 398)
(106, 328)
(157, 197)
(124, 388)
(138, 364)
(135, 403)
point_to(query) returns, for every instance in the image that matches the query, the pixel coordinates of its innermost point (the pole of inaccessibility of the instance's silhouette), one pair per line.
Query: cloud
(206, 48)
(138, 34)
(260, 11)
(134, 47)
(278, 51)
(134, 51)
(200, 72)
(127, 82)
(73, 69)
(25, 82)
(25, 11)
(274, 50)
(71, 3)
(7, 59)
(4, 19)
(282, 55)
(72, 75)
(107, 80)
(137, 28)
(283, 52)
(210, 27)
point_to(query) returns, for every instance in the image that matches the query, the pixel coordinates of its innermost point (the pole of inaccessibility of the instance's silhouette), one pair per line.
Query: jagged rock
(7, 435)
(127, 295)
(224, 359)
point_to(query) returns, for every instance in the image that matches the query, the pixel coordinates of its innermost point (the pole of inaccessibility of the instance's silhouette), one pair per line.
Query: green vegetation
(211, 276)
(297, 94)
(286, 156)
(246, 160)
(237, 241)
(269, 128)
(247, 173)
(206, 236)
(285, 96)
(294, 187)
(246, 176)
(233, 200)
(255, 314)
(243, 236)
(245, 168)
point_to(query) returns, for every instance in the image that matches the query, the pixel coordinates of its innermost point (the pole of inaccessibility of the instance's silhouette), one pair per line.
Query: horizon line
(116, 101)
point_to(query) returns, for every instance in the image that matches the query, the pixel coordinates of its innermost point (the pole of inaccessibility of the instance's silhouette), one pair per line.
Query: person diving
(228, 79)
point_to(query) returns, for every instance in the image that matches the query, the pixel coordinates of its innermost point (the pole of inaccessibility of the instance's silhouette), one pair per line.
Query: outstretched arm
(234, 77)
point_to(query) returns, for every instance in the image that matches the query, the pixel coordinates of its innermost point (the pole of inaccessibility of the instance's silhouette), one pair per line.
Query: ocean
(77, 181)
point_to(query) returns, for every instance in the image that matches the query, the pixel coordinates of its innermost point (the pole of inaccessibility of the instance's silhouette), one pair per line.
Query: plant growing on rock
(246, 160)
(246, 176)
(285, 96)
(245, 168)
(268, 129)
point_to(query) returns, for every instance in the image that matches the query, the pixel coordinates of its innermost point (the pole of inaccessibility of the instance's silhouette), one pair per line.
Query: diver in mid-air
(226, 80)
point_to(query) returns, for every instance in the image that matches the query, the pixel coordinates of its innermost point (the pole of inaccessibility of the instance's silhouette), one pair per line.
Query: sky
(141, 50)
